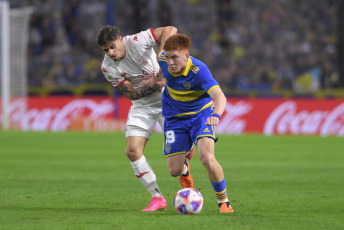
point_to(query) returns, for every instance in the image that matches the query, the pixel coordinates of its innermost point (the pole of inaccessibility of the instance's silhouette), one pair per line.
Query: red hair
(177, 42)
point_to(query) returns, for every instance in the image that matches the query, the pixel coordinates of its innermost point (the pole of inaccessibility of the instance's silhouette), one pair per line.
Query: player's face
(177, 60)
(115, 49)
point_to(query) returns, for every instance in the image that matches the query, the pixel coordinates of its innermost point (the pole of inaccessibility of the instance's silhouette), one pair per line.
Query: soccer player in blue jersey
(189, 113)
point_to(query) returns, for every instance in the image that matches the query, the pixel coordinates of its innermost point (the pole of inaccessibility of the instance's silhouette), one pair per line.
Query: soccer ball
(188, 201)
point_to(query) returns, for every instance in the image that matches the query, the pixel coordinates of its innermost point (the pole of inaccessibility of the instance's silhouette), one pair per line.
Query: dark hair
(107, 34)
(177, 42)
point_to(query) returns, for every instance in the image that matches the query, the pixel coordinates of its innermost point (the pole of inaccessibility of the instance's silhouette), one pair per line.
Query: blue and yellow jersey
(187, 93)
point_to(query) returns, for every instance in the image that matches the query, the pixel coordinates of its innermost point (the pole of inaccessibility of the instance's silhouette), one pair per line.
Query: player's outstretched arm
(220, 105)
(162, 33)
(134, 94)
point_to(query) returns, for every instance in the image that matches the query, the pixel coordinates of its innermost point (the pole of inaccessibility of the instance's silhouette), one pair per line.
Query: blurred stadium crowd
(248, 44)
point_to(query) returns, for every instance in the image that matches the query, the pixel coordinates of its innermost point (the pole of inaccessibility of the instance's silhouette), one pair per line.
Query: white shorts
(142, 120)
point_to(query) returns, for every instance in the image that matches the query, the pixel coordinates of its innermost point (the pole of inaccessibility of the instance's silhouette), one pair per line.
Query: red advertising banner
(262, 116)
(278, 116)
(59, 113)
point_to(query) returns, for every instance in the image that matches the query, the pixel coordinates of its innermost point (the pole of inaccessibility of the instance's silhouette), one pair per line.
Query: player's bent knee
(132, 155)
(175, 172)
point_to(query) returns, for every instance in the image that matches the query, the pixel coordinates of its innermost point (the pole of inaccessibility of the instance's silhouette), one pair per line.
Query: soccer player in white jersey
(130, 65)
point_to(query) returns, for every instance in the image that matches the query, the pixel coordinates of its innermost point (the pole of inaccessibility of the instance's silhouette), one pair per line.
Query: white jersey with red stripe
(138, 65)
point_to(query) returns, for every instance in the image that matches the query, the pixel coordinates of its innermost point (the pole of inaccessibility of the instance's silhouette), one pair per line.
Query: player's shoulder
(197, 62)
(197, 65)
(162, 57)
(143, 37)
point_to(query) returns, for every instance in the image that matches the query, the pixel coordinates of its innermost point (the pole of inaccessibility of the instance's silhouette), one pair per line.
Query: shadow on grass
(64, 209)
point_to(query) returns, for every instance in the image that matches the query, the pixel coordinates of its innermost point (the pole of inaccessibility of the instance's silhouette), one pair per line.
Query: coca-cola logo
(232, 121)
(270, 117)
(287, 119)
(58, 119)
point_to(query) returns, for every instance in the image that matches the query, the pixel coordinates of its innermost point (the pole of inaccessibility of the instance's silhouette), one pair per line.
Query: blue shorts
(181, 132)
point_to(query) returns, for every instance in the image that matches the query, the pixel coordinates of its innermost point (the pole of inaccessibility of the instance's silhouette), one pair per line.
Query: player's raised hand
(212, 121)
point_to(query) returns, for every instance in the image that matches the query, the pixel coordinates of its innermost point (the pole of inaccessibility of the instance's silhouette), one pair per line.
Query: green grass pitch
(77, 180)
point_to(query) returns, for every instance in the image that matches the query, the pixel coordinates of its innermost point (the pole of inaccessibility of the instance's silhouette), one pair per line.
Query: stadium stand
(248, 44)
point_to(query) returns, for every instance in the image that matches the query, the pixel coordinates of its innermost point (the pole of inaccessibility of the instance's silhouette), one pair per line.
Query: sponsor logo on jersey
(187, 84)
(206, 130)
(104, 70)
(124, 74)
(136, 39)
(110, 78)
(141, 61)
(142, 174)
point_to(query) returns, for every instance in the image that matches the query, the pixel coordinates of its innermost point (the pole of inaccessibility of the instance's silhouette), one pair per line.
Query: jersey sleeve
(145, 39)
(207, 80)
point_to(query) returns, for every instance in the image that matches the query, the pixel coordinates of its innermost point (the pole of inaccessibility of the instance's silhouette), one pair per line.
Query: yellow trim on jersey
(213, 135)
(184, 95)
(162, 58)
(191, 113)
(185, 71)
(194, 68)
(174, 154)
(215, 86)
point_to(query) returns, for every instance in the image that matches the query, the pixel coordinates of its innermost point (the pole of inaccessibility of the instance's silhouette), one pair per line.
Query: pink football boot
(157, 203)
